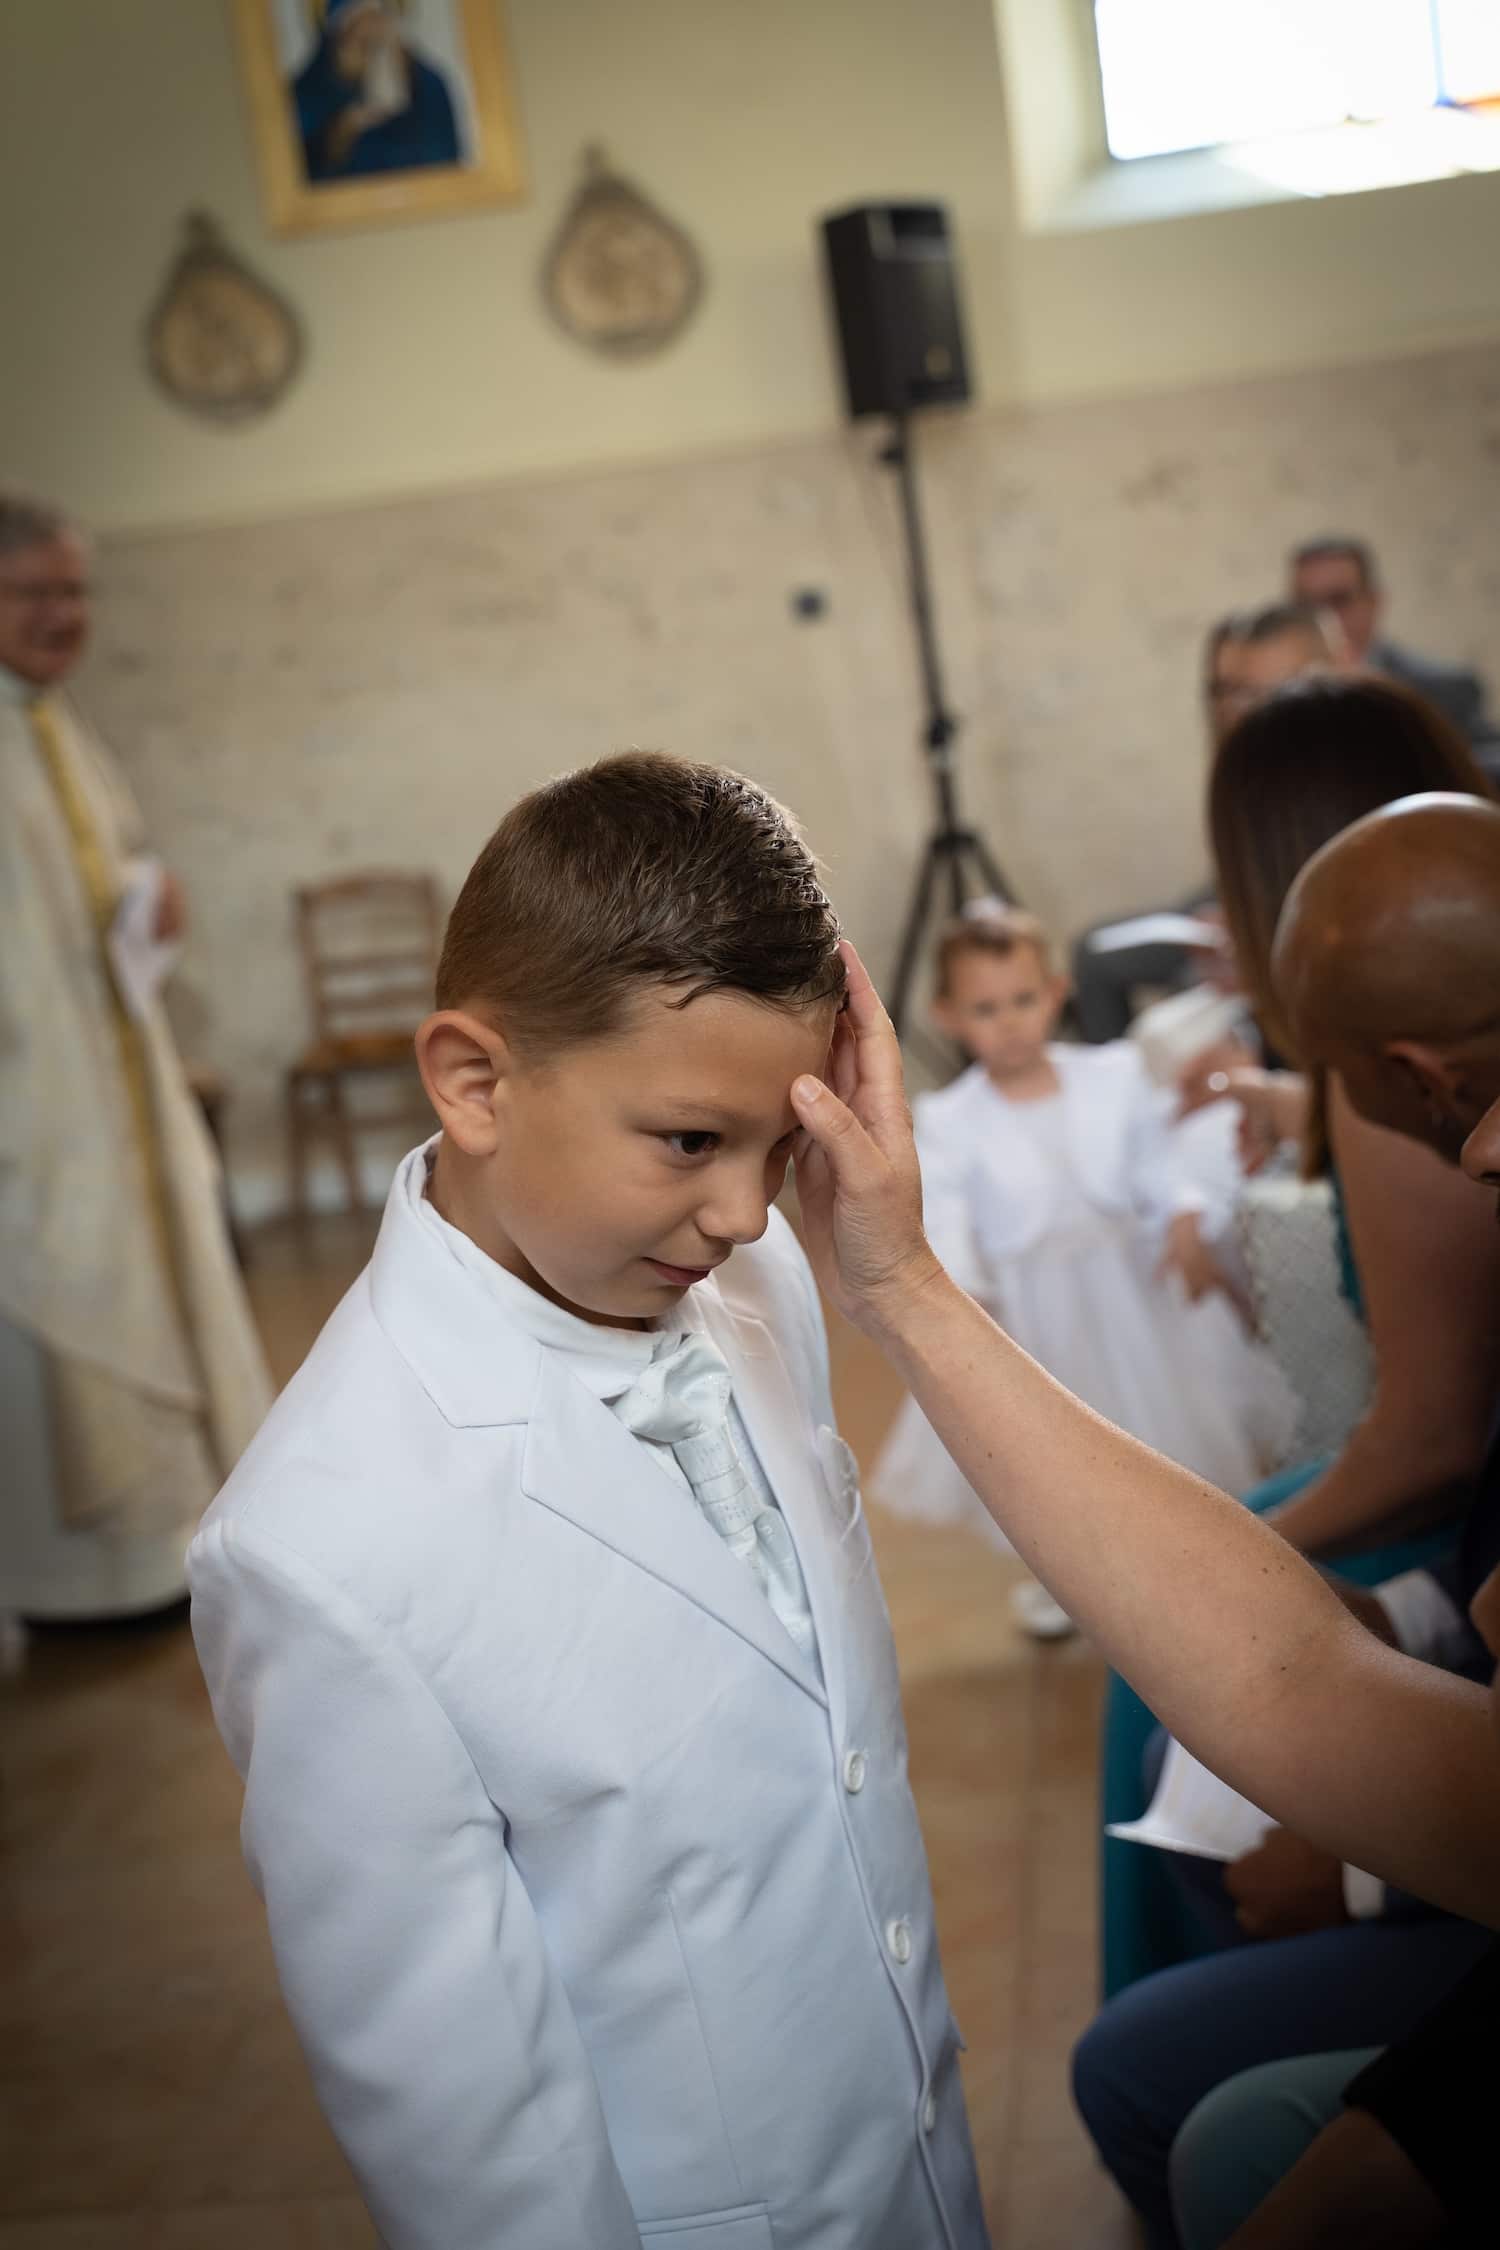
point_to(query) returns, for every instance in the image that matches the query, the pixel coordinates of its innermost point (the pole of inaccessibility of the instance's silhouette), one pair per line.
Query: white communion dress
(1053, 1214)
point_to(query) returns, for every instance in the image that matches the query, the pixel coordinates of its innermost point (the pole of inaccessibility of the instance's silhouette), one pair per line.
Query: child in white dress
(1051, 1193)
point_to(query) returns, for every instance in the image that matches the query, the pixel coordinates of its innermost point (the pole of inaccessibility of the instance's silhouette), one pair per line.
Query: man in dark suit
(1340, 576)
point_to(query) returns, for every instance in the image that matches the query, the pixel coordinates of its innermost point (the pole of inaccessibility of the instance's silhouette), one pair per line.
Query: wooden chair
(369, 947)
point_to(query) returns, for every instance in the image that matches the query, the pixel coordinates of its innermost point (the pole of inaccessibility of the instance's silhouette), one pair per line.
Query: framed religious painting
(365, 111)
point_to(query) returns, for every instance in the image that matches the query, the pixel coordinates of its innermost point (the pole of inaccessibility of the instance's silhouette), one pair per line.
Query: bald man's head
(1387, 961)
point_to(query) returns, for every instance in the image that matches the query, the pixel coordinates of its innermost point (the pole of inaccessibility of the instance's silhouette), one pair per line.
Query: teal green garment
(1142, 1924)
(1243, 2139)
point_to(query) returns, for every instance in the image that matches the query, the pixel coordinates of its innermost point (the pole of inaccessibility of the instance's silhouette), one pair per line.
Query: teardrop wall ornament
(220, 341)
(620, 276)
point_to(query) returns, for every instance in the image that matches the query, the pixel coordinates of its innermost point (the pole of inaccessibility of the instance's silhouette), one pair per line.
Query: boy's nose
(736, 1212)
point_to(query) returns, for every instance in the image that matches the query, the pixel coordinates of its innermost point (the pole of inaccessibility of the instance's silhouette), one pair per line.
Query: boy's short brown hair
(640, 870)
(987, 925)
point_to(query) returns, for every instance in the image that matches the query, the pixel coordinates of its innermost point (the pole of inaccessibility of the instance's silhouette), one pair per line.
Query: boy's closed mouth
(682, 1276)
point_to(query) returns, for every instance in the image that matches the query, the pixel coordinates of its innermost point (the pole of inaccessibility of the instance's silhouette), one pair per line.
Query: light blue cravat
(683, 1400)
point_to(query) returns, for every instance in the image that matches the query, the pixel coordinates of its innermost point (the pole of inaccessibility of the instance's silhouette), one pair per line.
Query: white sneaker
(1038, 1614)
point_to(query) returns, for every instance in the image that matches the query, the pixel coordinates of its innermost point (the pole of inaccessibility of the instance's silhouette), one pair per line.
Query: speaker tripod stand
(955, 858)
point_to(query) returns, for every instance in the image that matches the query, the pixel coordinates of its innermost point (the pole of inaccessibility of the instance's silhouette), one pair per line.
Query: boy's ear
(943, 1017)
(464, 1061)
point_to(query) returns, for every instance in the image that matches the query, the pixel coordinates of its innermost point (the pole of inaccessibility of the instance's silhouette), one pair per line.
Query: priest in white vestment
(131, 1376)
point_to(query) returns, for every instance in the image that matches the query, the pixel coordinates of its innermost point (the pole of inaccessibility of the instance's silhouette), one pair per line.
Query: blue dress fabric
(424, 133)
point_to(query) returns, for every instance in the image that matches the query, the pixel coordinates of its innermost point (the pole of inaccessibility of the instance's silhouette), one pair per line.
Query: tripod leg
(958, 889)
(990, 868)
(911, 936)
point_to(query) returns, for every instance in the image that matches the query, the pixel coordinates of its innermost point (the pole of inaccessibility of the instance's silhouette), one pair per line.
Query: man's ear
(1429, 1072)
(464, 1063)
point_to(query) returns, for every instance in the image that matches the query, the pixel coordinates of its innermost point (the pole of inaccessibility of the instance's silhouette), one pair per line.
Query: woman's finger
(837, 1134)
(879, 1096)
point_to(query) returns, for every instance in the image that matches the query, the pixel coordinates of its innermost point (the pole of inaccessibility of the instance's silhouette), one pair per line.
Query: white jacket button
(929, 2113)
(898, 1940)
(854, 1771)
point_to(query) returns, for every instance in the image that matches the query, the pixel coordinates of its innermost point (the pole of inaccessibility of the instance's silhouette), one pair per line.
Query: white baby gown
(1053, 1214)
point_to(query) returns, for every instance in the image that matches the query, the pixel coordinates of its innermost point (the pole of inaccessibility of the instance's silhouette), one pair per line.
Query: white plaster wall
(431, 360)
(430, 356)
(375, 685)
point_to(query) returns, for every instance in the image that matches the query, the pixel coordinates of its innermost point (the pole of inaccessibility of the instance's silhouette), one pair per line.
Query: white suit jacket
(602, 1919)
(989, 1195)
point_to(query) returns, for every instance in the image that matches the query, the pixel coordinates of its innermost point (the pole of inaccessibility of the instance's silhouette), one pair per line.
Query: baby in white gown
(1052, 1192)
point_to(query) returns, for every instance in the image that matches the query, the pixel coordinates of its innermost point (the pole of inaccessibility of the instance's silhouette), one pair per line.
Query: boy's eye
(691, 1144)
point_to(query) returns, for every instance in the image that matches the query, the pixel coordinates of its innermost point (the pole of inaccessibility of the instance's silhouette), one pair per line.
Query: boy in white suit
(542, 1622)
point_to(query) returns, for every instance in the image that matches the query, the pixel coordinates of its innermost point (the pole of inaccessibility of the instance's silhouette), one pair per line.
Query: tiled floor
(153, 2097)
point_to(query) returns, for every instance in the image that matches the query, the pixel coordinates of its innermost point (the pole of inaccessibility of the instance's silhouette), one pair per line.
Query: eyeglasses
(44, 593)
(1343, 597)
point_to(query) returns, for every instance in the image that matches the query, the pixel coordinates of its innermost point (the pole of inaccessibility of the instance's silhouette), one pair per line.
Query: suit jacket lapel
(579, 1461)
(777, 1421)
(620, 1496)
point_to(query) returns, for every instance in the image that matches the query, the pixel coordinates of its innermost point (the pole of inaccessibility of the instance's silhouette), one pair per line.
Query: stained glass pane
(1191, 73)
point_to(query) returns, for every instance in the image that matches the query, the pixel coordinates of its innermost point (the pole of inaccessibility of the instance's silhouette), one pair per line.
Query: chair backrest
(369, 951)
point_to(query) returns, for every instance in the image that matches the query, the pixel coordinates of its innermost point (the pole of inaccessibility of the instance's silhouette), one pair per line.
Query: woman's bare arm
(1232, 1639)
(1428, 1256)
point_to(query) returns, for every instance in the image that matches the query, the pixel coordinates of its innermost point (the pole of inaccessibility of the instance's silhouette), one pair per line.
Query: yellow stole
(103, 900)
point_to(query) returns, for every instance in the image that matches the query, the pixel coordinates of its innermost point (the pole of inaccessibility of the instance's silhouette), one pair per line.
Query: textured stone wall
(373, 686)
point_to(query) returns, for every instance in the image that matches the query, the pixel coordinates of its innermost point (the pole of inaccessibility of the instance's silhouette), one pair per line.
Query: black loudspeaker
(895, 291)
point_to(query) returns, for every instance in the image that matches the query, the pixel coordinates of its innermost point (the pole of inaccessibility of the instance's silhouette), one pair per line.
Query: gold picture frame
(410, 114)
